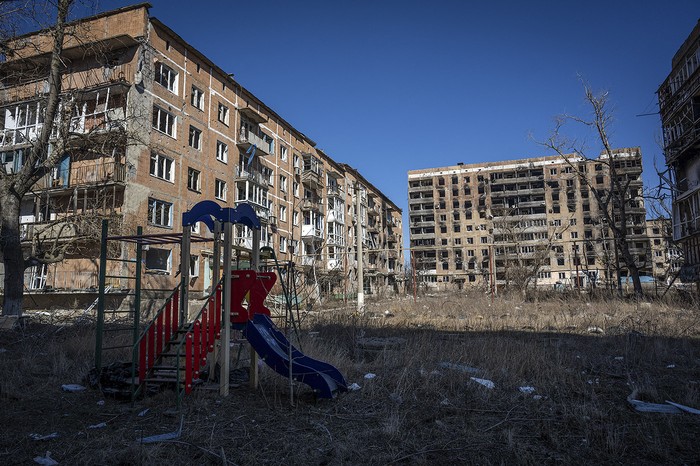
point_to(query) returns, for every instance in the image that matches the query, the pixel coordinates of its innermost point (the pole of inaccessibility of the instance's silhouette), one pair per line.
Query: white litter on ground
(46, 460)
(101, 425)
(72, 387)
(486, 383)
(145, 411)
(353, 387)
(459, 367)
(370, 376)
(671, 366)
(43, 437)
(619, 358)
(101, 403)
(527, 389)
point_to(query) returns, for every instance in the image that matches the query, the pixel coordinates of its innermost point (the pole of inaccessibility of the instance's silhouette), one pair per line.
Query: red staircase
(173, 353)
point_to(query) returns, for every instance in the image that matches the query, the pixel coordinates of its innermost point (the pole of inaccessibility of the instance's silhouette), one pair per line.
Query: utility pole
(358, 237)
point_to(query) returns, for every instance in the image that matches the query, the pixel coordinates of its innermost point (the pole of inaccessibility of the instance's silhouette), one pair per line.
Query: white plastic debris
(43, 437)
(72, 387)
(671, 366)
(101, 425)
(145, 411)
(594, 329)
(537, 397)
(46, 460)
(459, 367)
(486, 383)
(165, 437)
(353, 387)
(370, 376)
(619, 358)
(526, 389)
(101, 403)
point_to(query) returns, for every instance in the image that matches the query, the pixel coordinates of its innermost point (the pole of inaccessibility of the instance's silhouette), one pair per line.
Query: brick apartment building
(529, 221)
(679, 107)
(189, 132)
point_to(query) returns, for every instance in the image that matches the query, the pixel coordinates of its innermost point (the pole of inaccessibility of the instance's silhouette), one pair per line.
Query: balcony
(337, 216)
(392, 237)
(312, 178)
(256, 177)
(264, 145)
(311, 233)
(335, 240)
(262, 212)
(374, 211)
(83, 175)
(17, 136)
(393, 254)
(335, 191)
(311, 203)
(334, 264)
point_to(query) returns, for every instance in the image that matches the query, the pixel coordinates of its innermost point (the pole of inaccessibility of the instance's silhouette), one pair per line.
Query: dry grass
(415, 410)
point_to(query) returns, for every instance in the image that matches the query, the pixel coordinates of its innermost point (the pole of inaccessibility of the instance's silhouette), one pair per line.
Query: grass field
(582, 357)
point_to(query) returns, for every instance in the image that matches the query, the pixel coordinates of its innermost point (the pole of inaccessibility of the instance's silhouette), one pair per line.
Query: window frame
(220, 189)
(197, 98)
(168, 79)
(170, 123)
(221, 151)
(195, 138)
(166, 208)
(198, 182)
(164, 172)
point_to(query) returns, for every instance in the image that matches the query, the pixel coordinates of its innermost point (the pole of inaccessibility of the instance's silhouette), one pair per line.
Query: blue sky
(390, 86)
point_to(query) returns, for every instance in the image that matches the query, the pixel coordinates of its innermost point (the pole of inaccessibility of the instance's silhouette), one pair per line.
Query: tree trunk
(10, 245)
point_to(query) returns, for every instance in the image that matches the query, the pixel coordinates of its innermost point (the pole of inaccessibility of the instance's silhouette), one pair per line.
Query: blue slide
(272, 346)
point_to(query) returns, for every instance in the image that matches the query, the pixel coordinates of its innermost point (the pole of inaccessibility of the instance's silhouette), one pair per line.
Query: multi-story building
(667, 256)
(168, 128)
(679, 107)
(527, 222)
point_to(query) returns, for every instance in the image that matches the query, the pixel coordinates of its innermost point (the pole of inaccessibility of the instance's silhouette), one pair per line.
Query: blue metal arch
(207, 211)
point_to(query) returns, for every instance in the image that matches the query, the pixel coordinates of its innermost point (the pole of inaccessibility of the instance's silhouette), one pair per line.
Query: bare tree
(39, 160)
(613, 200)
(75, 147)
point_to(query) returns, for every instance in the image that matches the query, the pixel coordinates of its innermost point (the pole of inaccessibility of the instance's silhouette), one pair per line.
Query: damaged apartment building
(158, 127)
(679, 107)
(528, 222)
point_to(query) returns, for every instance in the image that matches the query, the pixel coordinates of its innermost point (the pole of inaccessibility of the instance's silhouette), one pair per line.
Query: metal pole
(226, 320)
(137, 279)
(358, 234)
(215, 279)
(578, 283)
(255, 264)
(185, 274)
(101, 299)
(415, 283)
(491, 273)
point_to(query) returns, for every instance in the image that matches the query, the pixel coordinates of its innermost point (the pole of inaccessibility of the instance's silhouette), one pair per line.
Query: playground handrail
(152, 337)
(198, 341)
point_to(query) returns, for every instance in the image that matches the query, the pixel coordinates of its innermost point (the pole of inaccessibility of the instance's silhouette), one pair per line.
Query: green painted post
(137, 285)
(101, 298)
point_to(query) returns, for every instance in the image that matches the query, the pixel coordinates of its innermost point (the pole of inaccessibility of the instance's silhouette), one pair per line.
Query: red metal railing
(156, 336)
(200, 339)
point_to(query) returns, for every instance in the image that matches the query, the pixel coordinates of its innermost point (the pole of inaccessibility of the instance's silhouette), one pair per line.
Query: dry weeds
(582, 357)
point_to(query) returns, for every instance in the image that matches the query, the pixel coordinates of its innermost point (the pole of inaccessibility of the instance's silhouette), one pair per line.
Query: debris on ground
(370, 376)
(459, 367)
(46, 460)
(43, 437)
(485, 382)
(526, 389)
(165, 437)
(353, 387)
(668, 407)
(73, 388)
(101, 425)
(144, 412)
(594, 329)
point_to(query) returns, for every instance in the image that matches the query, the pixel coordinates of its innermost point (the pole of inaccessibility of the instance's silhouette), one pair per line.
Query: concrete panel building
(679, 107)
(526, 222)
(177, 129)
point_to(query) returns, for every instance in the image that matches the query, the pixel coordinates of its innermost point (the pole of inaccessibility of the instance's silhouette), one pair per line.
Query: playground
(581, 359)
